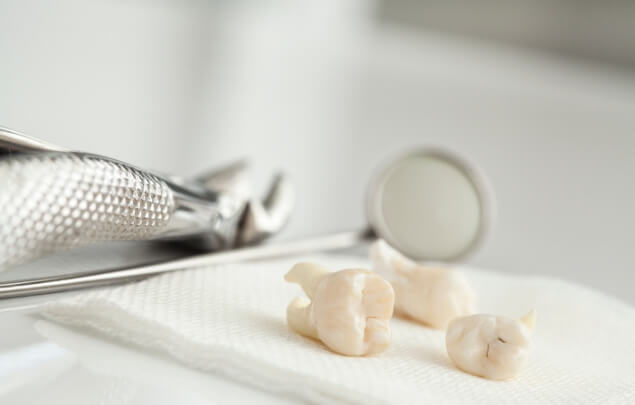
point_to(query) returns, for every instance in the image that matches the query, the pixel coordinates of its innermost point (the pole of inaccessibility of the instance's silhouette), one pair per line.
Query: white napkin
(231, 320)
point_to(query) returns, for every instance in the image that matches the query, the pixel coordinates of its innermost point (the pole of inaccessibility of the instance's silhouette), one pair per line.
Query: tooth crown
(349, 312)
(433, 296)
(489, 346)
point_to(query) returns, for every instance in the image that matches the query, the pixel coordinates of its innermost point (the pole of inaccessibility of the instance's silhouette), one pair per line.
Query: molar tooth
(349, 310)
(430, 295)
(489, 346)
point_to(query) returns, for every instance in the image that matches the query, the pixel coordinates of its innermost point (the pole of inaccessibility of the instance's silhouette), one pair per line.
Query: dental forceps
(429, 203)
(53, 199)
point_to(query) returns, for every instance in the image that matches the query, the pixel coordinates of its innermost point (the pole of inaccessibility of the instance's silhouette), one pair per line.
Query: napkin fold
(230, 319)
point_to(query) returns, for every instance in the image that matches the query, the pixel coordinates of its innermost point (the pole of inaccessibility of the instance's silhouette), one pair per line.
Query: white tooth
(430, 295)
(349, 312)
(488, 346)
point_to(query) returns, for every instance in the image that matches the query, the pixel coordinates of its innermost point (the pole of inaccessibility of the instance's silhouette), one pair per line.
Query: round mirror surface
(430, 205)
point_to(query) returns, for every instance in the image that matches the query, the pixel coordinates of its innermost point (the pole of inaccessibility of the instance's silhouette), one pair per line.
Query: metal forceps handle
(58, 200)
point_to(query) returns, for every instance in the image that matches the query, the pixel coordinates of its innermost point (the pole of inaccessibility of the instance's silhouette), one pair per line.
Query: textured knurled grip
(55, 201)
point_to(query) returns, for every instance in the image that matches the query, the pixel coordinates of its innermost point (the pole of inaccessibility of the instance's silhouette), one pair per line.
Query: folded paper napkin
(231, 320)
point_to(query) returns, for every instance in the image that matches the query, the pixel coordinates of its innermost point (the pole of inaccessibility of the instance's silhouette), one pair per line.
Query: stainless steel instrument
(430, 204)
(51, 199)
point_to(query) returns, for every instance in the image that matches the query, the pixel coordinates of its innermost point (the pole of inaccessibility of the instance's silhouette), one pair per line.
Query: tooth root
(307, 275)
(299, 317)
(389, 261)
(529, 319)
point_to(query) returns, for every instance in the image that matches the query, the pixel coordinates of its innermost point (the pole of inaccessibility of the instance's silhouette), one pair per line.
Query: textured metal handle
(54, 201)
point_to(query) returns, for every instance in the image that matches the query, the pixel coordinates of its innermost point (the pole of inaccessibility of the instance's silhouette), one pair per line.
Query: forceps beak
(232, 179)
(267, 217)
(261, 218)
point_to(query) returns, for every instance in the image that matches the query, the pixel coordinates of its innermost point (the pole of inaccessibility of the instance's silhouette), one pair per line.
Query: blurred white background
(326, 90)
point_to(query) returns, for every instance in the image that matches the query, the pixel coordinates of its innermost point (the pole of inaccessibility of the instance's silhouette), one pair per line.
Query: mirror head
(431, 205)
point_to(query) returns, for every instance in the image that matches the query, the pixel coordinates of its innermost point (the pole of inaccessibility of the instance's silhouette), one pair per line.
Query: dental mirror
(430, 204)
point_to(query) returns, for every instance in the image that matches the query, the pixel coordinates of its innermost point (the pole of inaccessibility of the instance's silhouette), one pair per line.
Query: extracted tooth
(349, 310)
(431, 295)
(493, 347)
